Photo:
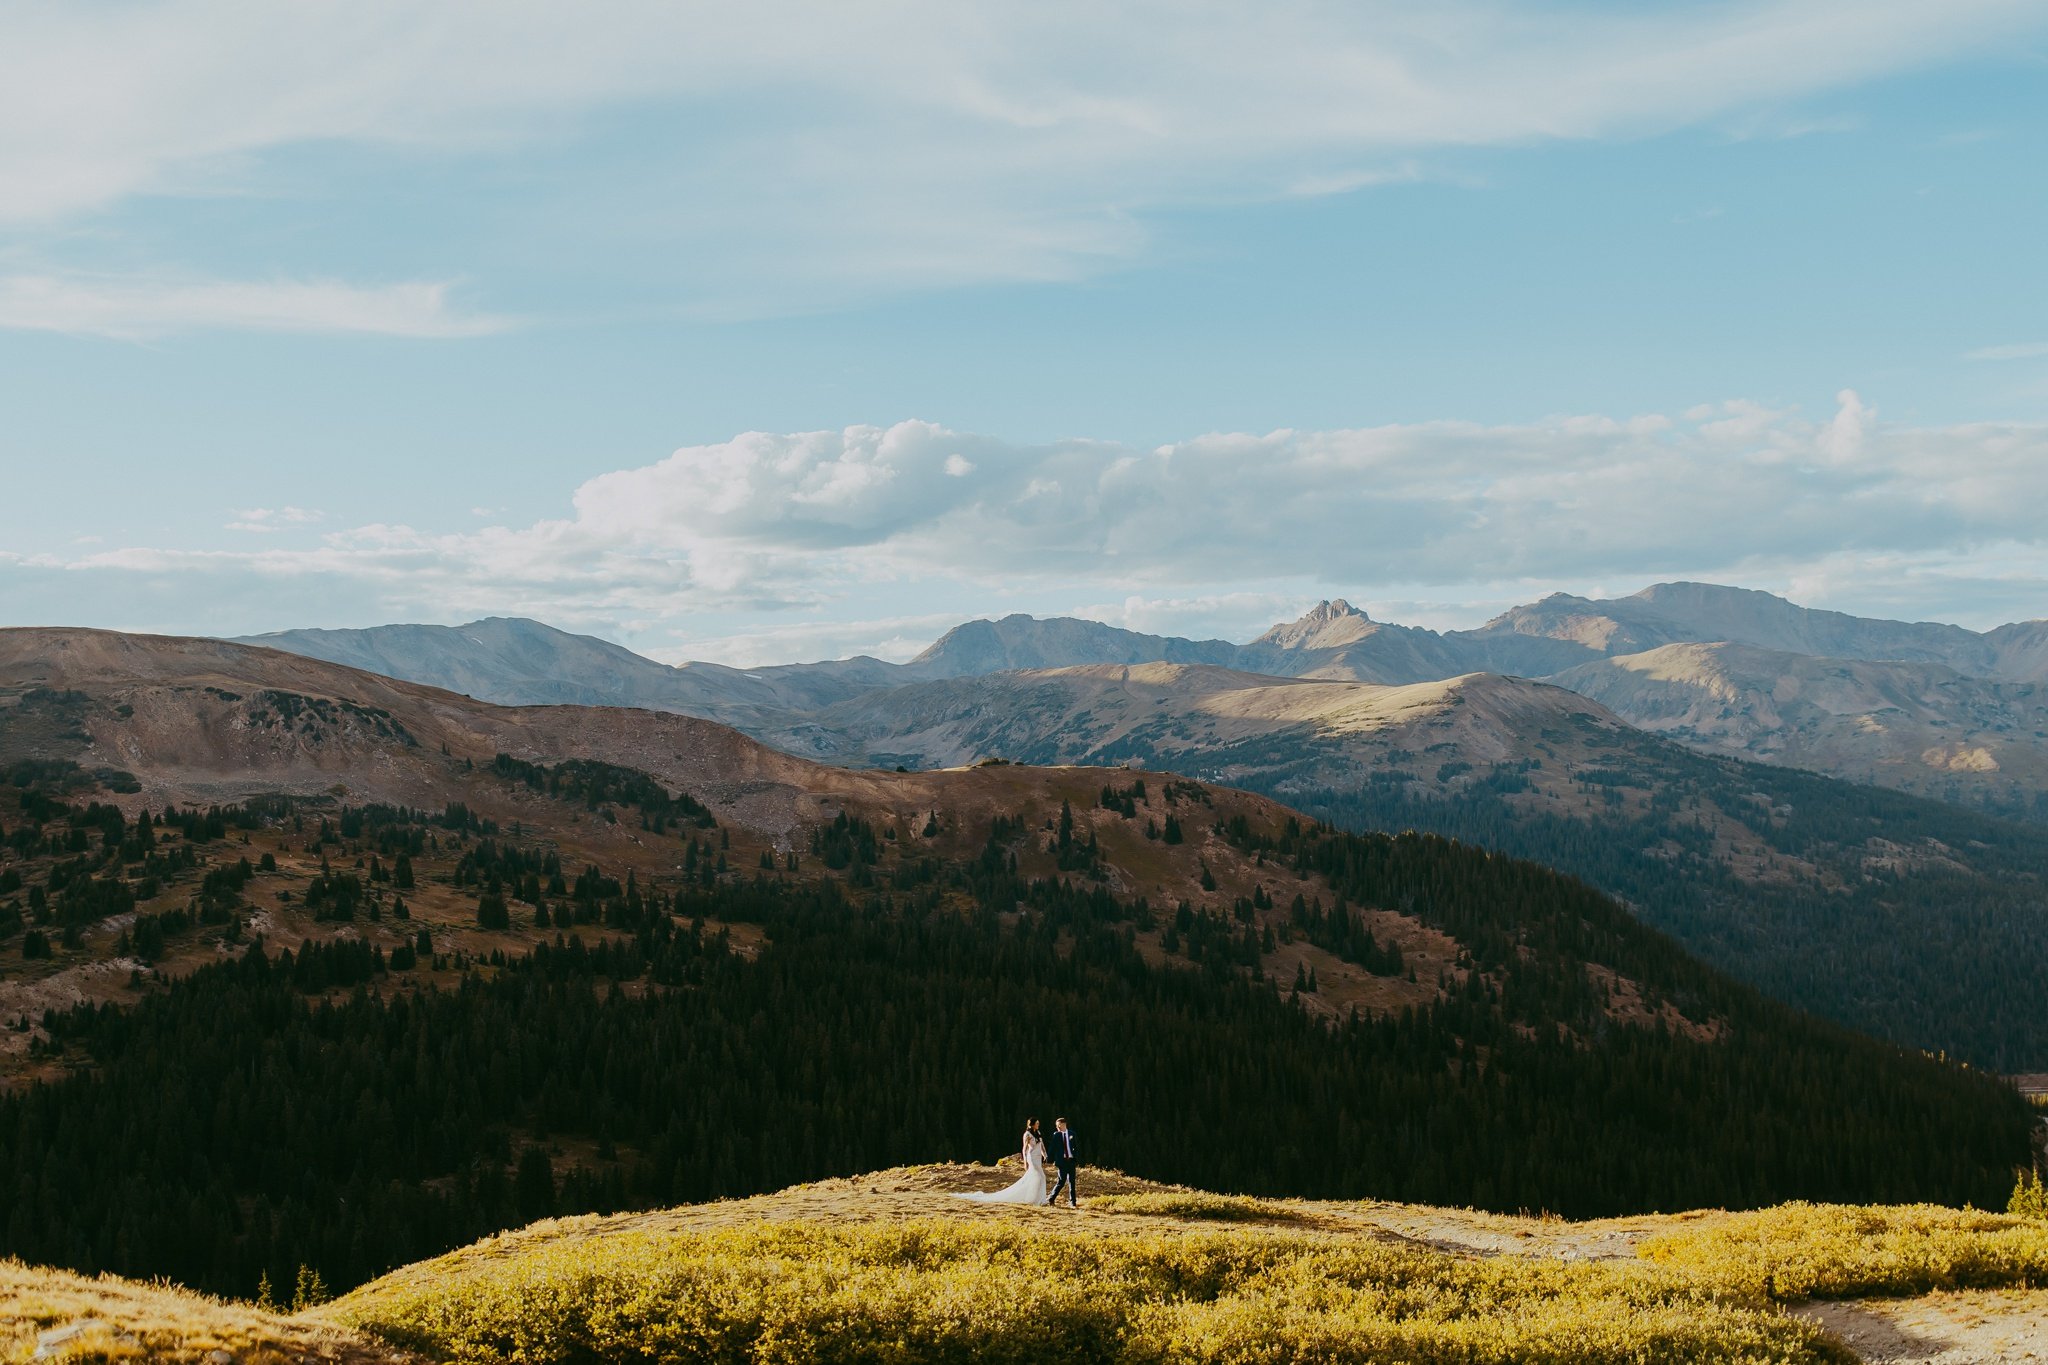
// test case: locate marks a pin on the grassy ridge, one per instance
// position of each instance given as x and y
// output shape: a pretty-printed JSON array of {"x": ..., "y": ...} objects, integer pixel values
[
  {"x": 121, "y": 1320},
  {"x": 930, "y": 1292},
  {"x": 888, "y": 1268}
]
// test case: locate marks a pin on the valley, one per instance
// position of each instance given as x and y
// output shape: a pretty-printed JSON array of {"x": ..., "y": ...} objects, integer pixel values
[{"x": 1829, "y": 875}]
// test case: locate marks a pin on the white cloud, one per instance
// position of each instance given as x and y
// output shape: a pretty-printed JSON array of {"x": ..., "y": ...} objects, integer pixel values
[
  {"x": 1842, "y": 439},
  {"x": 909, "y": 142},
  {"x": 139, "y": 308},
  {"x": 1217, "y": 534}
]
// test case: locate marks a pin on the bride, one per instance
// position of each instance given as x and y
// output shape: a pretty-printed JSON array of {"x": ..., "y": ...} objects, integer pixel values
[{"x": 1030, "y": 1186}]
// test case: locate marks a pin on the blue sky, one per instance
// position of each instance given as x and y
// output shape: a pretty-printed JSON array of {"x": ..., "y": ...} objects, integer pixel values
[{"x": 340, "y": 314}]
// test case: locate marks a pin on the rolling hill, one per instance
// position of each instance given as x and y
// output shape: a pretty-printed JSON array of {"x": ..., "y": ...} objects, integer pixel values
[
  {"x": 1908, "y": 918},
  {"x": 516, "y": 662},
  {"x": 308, "y": 966}
]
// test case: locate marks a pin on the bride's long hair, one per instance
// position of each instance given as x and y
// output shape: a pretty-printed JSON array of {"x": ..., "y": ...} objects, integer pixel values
[{"x": 1031, "y": 1125}]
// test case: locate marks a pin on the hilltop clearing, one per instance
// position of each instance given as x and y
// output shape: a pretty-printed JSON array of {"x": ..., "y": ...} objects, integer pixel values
[{"x": 890, "y": 1262}]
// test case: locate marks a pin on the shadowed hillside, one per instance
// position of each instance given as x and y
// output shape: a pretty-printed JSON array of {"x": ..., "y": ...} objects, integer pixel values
[{"x": 1908, "y": 918}]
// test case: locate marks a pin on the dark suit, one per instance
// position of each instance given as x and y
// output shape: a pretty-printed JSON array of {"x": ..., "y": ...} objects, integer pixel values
[{"x": 1066, "y": 1155}]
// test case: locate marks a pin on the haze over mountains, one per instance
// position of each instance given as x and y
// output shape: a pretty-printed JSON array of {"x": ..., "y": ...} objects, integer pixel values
[{"x": 1923, "y": 707}]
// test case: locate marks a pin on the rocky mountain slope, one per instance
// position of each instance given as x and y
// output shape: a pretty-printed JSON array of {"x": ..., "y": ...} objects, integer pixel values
[
  {"x": 1926, "y": 708},
  {"x": 1920, "y": 727},
  {"x": 1699, "y": 613},
  {"x": 1225, "y": 726}
]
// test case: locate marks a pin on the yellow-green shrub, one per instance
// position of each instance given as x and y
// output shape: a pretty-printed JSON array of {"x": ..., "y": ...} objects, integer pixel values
[
  {"x": 1829, "y": 1251},
  {"x": 933, "y": 1293}
]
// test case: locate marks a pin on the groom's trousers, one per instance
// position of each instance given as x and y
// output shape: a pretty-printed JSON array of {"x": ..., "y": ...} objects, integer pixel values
[{"x": 1069, "y": 1171}]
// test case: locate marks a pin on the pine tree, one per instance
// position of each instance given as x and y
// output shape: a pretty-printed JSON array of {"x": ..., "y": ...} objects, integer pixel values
[{"x": 310, "y": 1291}]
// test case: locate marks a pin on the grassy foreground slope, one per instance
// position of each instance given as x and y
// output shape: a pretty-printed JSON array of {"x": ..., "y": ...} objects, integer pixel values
[{"x": 889, "y": 1266}]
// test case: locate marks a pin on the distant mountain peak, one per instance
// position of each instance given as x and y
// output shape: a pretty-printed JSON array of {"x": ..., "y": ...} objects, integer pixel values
[
  {"x": 1333, "y": 609},
  {"x": 1329, "y": 624},
  {"x": 1018, "y": 641},
  {"x": 1693, "y": 588}
]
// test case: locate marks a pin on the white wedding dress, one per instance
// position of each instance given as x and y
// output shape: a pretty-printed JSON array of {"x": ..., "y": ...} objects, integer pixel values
[{"x": 1030, "y": 1186}]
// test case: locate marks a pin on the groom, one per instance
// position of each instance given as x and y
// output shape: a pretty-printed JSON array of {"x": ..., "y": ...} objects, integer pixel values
[{"x": 1066, "y": 1157}]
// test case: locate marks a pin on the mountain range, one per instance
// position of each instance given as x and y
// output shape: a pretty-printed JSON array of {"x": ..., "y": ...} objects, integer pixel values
[{"x": 1927, "y": 708}]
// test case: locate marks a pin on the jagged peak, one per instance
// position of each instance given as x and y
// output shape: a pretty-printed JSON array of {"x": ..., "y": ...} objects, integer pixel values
[
  {"x": 1330, "y": 623},
  {"x": 1331, "y": 609}
]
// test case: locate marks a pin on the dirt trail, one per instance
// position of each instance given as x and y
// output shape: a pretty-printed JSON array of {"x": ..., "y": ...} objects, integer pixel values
[
  {"x": 1996, "y": 1327},
  {"x": 2002, "y": 1327}
]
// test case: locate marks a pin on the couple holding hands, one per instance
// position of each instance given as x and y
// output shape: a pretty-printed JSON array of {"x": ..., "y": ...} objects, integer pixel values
[{"x": 1030, "y": 1187}]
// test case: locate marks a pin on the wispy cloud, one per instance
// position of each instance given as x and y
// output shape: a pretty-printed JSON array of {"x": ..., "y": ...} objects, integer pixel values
[
  {"x": 139, "y": 308},
  {"x": 2026, "y": 350},
  {"x": 266, "y": 519},
  {"x": 924, "y": 142}
]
